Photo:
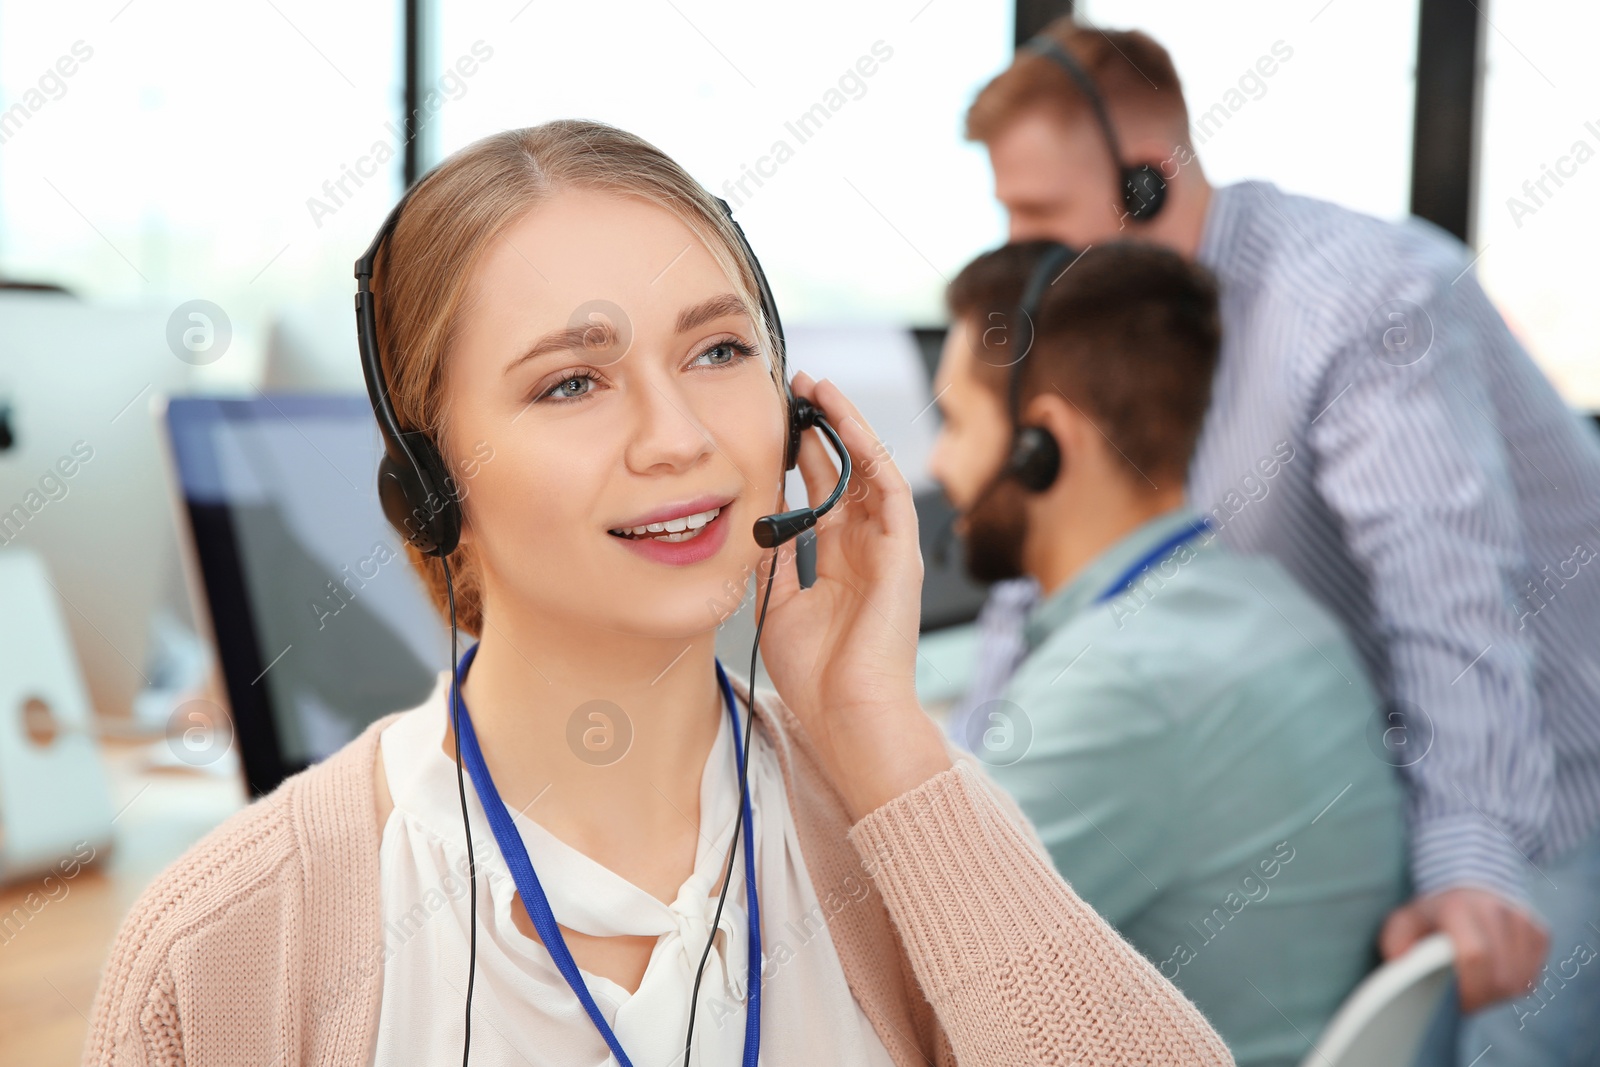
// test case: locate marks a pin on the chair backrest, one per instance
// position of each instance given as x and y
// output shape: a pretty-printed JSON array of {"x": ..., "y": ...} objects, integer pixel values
[{"x": 1383, "y": 1022}]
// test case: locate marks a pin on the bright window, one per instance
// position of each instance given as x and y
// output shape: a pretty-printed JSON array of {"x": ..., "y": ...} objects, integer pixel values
[
  {"x": 1539, "y": 186},
  {"x": 872, "y": 203},
  {"x": 164, "y": 152},
  {"x": 1333, "y": 120}
]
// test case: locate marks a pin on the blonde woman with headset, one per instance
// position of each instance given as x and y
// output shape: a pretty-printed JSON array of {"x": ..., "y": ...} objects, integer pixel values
[{"x": 568, "y": 302}]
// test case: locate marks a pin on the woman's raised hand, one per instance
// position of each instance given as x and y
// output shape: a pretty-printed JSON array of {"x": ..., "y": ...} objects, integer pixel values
[{"x": 842, "y": 653}]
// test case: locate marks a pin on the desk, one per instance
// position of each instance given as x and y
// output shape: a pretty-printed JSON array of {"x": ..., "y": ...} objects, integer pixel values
[{"x": 50, "y": 959}]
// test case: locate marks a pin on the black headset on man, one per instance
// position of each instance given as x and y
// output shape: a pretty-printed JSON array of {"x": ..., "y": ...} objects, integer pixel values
[
  {"x": 1144, "y": 190},
  {"x": 420, "y": 500},
  {"x": 1034, "y": 458}
]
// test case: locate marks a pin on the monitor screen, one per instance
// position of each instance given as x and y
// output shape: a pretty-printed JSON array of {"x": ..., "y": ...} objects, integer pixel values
[{"x": 322, "y": 625}]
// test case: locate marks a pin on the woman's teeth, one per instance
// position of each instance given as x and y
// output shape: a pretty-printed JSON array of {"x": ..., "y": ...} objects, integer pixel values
[{"x": 679, "y": 529}]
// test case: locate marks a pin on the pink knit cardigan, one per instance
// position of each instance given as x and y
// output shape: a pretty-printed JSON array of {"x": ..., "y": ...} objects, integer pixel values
[{"x": 263, "y": 945}]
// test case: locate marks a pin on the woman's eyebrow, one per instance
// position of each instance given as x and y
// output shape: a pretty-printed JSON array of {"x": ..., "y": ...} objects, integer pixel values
[
  {"x": 601, "y": 334},
  {"x": 707, "y": 311}
]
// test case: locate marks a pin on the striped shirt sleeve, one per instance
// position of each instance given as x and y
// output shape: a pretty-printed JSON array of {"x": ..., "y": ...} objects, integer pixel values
[{"x": 1411, "y": 462}]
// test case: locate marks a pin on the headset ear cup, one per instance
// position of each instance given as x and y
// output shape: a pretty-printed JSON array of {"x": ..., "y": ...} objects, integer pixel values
[
  {"x": 791, "y": 444},
  {"x": 1144, "y": 190},
  {"x": 802, "y": 416},
  {"x": 418, "y": 498},
  {"x": 1036, "y": 458},
  {"x": 396, "y": 487},
  {"x": 444, "y": 500}
]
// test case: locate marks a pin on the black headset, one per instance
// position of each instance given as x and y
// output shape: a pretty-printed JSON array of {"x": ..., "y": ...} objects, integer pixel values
[
  {"x": 1035, "y": 457},
  {"x": 1144, "y": 190},
  {"x": 421, "y": 501},
  {"x": 418, "y": 494}
]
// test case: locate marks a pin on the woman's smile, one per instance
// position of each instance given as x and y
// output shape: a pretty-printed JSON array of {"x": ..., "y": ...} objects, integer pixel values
[{"x": 682, "y": 539}]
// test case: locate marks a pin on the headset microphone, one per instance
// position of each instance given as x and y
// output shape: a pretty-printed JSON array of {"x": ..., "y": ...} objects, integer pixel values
[
  {"x": 773, "y": 530},
  {"x": 422, "y": 502}
]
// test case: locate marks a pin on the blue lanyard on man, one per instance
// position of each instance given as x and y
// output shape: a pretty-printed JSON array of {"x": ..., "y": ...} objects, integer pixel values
[
  {"x": 538, "y": 905},
  {"x": 1194, "y": 529}
]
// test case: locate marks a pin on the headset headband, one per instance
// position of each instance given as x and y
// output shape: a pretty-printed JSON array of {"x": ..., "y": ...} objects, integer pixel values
[
  {"x": 367, "y": 326},
  {"x": 769, "y": 306},
  {"x": 1144, "y": 190}
]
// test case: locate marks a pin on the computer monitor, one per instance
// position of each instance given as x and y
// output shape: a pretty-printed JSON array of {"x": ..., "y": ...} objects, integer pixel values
[
  {"x": 81, "y": 478},
  {"x": 320, "y": 622}
]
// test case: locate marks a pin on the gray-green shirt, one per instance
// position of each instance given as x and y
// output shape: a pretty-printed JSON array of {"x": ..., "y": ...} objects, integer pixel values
[{"x": 1203, "y": 757}]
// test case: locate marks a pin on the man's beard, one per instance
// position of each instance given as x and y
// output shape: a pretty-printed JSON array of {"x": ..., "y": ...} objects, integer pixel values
[{"x": 996, "y": 527}]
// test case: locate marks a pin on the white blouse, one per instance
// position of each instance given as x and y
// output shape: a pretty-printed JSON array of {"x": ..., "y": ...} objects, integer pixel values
[{"x": 523, "y": 1011}]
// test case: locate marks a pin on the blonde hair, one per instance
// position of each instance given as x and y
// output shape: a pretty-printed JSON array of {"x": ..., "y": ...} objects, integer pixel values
[{"x": 423, "y": 276}]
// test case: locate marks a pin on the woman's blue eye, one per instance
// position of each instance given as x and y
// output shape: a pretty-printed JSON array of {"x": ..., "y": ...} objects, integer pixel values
[{"x": 736, "y": 352}]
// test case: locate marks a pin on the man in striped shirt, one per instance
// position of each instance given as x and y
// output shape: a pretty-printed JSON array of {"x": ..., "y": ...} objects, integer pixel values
[{"x": 1442, "y": 502}]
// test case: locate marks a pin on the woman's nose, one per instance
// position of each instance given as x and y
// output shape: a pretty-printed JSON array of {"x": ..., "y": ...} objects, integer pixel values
[{"x": 668, "y": 430}]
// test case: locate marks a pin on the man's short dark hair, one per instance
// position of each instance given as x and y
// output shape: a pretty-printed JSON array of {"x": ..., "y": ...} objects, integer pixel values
[{"x": 1128, "y": 334}]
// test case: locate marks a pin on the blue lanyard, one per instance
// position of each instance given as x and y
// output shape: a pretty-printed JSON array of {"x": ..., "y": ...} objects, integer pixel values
[
  {"x": 1194, "y": 529},
  {"x": 538, "y": 906}
]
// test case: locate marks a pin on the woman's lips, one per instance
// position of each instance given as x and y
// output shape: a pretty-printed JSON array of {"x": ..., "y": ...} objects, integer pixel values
[{"x": 703, "y": 545}]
